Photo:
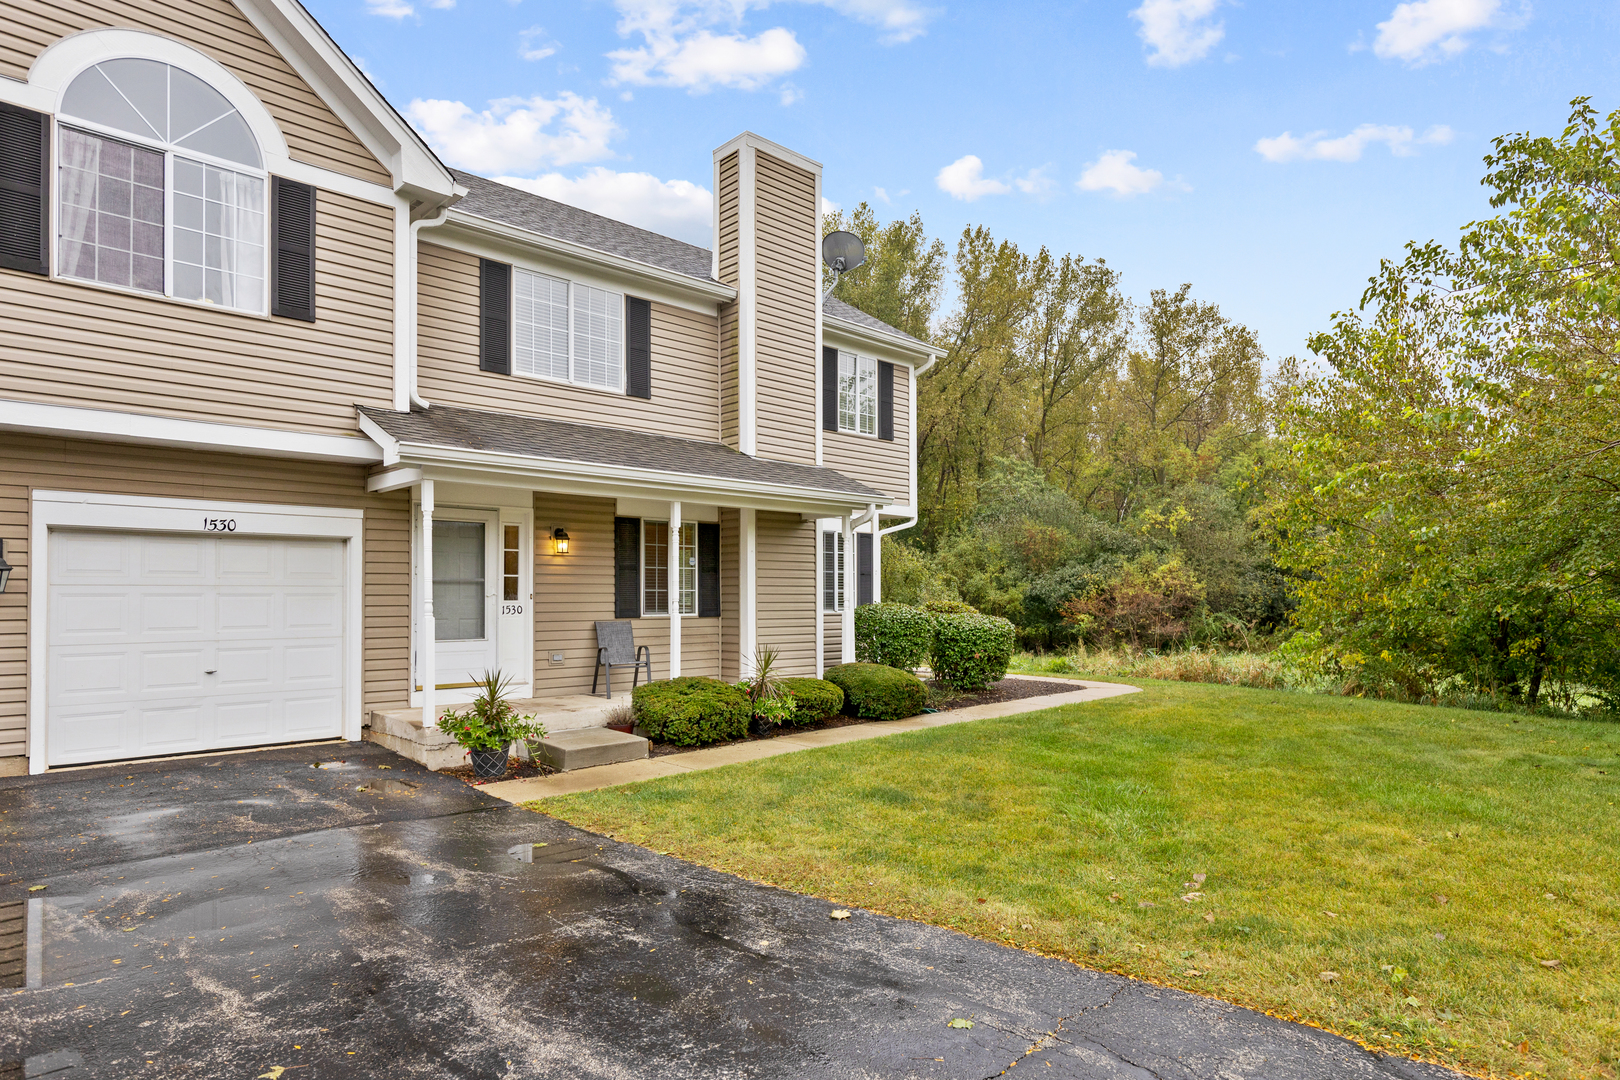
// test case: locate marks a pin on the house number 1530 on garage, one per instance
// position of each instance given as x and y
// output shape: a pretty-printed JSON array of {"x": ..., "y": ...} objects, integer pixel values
[{"x": 219, "y": 524}]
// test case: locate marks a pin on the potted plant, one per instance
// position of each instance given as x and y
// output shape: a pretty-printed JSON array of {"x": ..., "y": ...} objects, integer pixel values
[
  {"x": 488, "y": 726},
  {"x": 770, "y": 705}
]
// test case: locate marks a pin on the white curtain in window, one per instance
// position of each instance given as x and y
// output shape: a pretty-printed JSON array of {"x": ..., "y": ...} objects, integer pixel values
[
  {"x": 110, "y": 221},
  {"x": 598, "y": 345},
  {"x": 218, "y": 236}
]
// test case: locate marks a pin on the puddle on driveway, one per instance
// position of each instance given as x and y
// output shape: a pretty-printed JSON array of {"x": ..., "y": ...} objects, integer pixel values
[{"x": 523, "y": 852}]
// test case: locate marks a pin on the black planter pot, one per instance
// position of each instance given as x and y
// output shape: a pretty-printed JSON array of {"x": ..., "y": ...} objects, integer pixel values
[{"x": 488, "y": 764}]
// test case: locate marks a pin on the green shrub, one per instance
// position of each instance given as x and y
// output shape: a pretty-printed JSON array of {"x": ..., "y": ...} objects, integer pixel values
[
  {"x": 691, "y": 711},
  {"x": 948, "y": 607},
  {"x": 971, "y": 651},
  {"x": 815, "y": 698},
  {"x": 878, "y": 692},
  {"x": 897, "y": 635}
]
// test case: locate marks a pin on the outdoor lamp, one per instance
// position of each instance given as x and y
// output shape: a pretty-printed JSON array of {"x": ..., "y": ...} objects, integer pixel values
[
  {"x": 5, "y": 567},
  {"x": 559, "y": 540}
]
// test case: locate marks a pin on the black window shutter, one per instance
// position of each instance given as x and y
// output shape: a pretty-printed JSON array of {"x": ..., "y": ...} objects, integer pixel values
[
  {"x": 708, "y": 569},
  {"x": 292, "y": 259},
  {"x": 829, "y": 388},
  {"x": 885, "y": 401},
  {"x": 25, "y": 171},
  {"x": 637, "y": 347},
  {"x": 863, "y": 568},
  {"x": 626, "y": 568},
  {"x": 495, "y": 317}
]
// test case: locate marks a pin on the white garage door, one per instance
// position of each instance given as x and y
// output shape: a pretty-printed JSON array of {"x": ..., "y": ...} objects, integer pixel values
[{"x": 169, "y": 644}]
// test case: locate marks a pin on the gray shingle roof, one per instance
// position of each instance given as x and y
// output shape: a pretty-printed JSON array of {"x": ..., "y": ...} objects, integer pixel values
[
  {"x": 556, "y": 440},
  {"x": 487, "y": 199},
  {"x": 850, "y": 313}
]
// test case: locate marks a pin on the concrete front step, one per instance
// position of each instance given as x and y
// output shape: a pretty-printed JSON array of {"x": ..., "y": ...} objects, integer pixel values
[
  {"x": 402, "y": 730},
  {"x": 581, "y": 749}
]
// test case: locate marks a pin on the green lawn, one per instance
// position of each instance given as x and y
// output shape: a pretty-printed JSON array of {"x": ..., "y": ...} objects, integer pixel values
[{"x": 1431, "y": 858}]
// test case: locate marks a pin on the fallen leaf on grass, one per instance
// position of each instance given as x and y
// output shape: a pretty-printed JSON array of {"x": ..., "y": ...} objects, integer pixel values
[
  {"x": 840, "y": 913},
  {"x": 1192, "y": 897},
  {"x": 1331, "y": 914},
  {"x": 1441, "y": 900},
  {"x": 1113, "y": 898},
  {"x": 1524, "y": 1047},
  {"x": 960, "y": 1023},
  {"x": 980, "y": 900},
  {"x": 1550, "y": 964},
  {"x": 1146, "y": 903},
  {"x": 1209, "y": 916},
  {"x": 1328, "y": 976},
  {"x": 1414, "y": 1002},
  {"x": 1025, "y": 926},
  {"x": 1193, "y": 973}
]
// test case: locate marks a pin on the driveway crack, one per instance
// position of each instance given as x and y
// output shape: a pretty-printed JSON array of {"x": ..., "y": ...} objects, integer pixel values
[{"x": 1057, "y": 1036}]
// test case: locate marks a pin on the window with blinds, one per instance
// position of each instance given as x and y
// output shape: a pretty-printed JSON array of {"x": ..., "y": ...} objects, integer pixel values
[{"x": 566, "y": 331}]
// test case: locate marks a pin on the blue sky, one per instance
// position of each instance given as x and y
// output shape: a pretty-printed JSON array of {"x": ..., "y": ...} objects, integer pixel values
[{"x": 1268, "y": 153}]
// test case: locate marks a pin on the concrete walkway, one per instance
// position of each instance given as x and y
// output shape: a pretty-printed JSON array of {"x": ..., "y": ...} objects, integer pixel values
[{"x": 540, "y": 787}]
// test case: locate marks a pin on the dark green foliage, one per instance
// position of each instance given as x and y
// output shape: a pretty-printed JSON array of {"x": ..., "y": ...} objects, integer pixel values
[
  {"x": 692, "y": 711},
  {"x": 815, "y": 698},
  {"x": 949, "y": 607},
  {"x": 971, "y": 651},
  {"x": 878, "y": 692},
  {"x": 897, "y": 635}
]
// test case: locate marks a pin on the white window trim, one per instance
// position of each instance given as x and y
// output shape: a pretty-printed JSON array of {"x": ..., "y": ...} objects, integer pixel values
[
  {"x": 60, "y": 122},
  {"x": 859, "y": 359},
  {"x": 572, "y": 283},
  {"x": 840, "y": 571},
  {"x": 137, "y": 513}
]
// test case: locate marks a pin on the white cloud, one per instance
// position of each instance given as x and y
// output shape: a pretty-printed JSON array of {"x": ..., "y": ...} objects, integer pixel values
[
  {"x": 1114, "y": 172},
  {"x": 1316, "y": 146},
  {"x": 964, "y": 179},
  {"x": 1423, "y": 31},
  {"x": 677, "y": 208},
  {"x": 881, "y": 196},
  {"x": 534, "y": 45},
  {"x": 390, "y": 9},
  {"x": 828, "y": 206},
  {"x": 516, "y": 134},
  {"x": 442, "y": 4},
  {"x": 1178, "y": 31},
  {"x": 899, "y": 20},
  {"x": 791, "y": 94},
  {"x": 703, "y": 60},
  {"x": 1036, "y": 181}
]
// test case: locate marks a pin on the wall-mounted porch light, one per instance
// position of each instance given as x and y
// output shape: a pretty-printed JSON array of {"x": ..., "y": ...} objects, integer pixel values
[
  {"x": 5, "y": 568},
  {"x": 559, "y": 540}
]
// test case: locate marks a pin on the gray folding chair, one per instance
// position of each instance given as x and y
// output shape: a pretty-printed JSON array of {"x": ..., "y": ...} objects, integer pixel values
[{"x": 616, "y": 647}]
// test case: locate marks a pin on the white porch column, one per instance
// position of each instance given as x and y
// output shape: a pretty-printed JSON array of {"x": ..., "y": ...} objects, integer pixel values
[
  {"x": 850, "y": 582},
  {"x": 748, "y": 590},
  {"x": 427, "y": 649},
  {"x": 821, "y": 618},
  {"x": 877, "y": 559},
  {"x": 675, "y": 590}
]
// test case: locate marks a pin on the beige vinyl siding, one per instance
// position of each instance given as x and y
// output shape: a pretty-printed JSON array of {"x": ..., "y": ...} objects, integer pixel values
[
  {"x": 313, "y": 131},
  {"x": 785, "y": 342},
  {"x": 685, "y": 375},
  {"x": 72, "y": 344},
  {"x": 728, "y": 376},
  {"x": 786, "y": 566},
  {"x": 573, "y": 591},
  {"x": 729, "y": 225},
  {"x": 28, "y": 462},
  {"x": 877, "y": 462},
  {"x": 730, "y": 592},
  {"x": 832, "y": 644}
]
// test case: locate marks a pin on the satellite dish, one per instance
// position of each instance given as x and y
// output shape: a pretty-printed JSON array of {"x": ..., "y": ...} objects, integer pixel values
[{"x": 842, "y": 251}]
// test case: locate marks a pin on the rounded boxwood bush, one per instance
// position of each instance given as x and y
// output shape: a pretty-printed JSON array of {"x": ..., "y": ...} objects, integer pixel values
[
  {"x": 691, "y": 711},
  {"x": 815, "y": 698},
  {"x": 894, "y": 634},
  {"x": 971, "y": 651},
  {"x": 948, "y": 607},
  {"x": 878, "y": 692}
]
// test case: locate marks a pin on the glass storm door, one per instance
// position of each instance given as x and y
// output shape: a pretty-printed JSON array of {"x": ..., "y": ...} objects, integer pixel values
[{"x": 465, "y": 596}]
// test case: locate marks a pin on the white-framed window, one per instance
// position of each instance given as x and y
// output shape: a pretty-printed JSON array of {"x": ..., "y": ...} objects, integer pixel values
[
  {"x": 857, "y": 393},
  {"x": 832, "y": 570},
  {"x": 567, "y": 331},
  {"x": 686, "y": 566},
  {"x": 654, "y": 567},
  {"x": 160, "y": 187}
]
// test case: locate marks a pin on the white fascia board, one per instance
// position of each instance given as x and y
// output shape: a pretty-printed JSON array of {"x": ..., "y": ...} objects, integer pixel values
[
  {"x": 515, "y": 237},
  {"x": 72, "y": 422},
  {"x": 400, "y": 476},
  {"x": 776, "y": 150},
  {"x": 858, "y": 337},
  {"x": 318, "y": 60},
  {"x": 578, "y": 477}
]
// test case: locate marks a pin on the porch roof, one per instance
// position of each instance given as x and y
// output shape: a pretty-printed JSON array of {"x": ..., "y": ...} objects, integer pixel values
[{"x": 638, "y": 455}]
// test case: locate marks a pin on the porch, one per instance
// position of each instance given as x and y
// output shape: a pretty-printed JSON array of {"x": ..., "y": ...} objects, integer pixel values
[{"x": 403, "y": 732}]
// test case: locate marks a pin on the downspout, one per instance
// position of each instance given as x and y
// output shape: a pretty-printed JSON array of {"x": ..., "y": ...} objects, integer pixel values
[
  {"x": 912, "y": 404},
  {"x": 438, "y": 217}
]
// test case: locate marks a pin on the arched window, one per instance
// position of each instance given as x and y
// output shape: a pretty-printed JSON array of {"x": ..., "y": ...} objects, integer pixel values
[{"x": 160, "y": 186}]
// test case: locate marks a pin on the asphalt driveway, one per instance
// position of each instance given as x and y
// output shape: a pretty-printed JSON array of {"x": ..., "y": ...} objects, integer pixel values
[{"x": 232, "y": 916}]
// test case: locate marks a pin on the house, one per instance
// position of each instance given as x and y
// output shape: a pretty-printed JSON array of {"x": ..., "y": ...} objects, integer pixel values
[{"x": 298, "y": 426}]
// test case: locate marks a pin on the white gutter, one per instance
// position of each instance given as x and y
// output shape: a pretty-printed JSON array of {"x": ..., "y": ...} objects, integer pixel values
[
  {"x": 877, "y": 339},
  {"x": 709, "y": 290}
]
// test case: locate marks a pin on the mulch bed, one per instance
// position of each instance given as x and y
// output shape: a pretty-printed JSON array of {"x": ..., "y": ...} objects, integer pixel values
[{"x": 940, "y": 699}]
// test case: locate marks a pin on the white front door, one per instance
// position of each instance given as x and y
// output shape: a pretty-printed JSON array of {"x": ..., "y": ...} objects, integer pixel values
[
  {"x": 170, "y": 644},
  {"x": 466, "y": 595}
]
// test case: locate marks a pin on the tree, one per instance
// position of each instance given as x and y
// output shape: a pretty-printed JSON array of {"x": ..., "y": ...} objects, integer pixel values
[{"x": 901, "y": 278}]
